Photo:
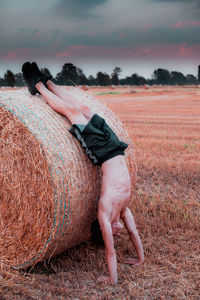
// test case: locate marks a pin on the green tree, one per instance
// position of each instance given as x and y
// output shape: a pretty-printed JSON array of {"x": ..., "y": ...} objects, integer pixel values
[
  {"x": 91, "y": 80},
  {"x": 59, "y": 79},
  {"x": 103, "y": 79},
  {"x": 2, "y": 81},
  {"x": 82, "y": 79},
  {"x": 115, "y": 75},
  {"x": 19, "y": 81},
  {"x": 191, "y": 79},
  {"x": 137, "y": 80},
  {"x": 161, "y": 76},
  {"x": 177, "y": 78},
  {"x": 46, "y": 72},
  {"x": 71, "y": 74},
  {"x": 9, "y": 78},
  {"x": 199, "y": 73}
]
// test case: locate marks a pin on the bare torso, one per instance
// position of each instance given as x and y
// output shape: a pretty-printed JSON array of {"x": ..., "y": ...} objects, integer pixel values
[{"x": 115, "y": 188}]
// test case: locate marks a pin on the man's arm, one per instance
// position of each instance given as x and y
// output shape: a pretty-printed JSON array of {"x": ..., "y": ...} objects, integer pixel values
[
  {"x": 109, "y": 245},
  {"x": 129, "y": 223}
]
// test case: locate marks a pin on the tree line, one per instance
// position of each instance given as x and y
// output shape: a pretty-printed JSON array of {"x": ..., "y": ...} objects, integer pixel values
[{"x": 72, "y": 75}]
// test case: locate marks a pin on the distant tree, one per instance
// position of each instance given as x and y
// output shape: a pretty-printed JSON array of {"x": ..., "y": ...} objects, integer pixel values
[
  {"x": 134, "y": 79},
  {"x": 137, "y": 80},
  {"x": 161, "y": 76},
  {"x": 115, "y": 75},
  {"x": 70, "y": 74},
  {"x": 141, "y": 80},
  {"x": 19, "y": 81},
  {"x": 9, "y": 78},
  {"x": 46, "y": 72},
  {"x": 149, "y": 81},
  {"x": 59, "y": 79},
  {"x": 199, "y": 73},
  {"x": 91, "y": 80},
  {"x": 177, "y": 78},
  {"x": 191, "y": 79},
  {"x": 126, "y": 80},
  {"x": 103, "y": 79},
  {"x": 2, "y": 81},
  {"x": 82, "y": 79}
]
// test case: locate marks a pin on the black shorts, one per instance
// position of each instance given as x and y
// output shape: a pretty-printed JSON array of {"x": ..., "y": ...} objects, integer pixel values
[{"x": 98, "y": 140}]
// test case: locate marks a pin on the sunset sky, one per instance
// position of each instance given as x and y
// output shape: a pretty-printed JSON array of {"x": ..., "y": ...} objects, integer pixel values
[{"x": 98, "y": 35}]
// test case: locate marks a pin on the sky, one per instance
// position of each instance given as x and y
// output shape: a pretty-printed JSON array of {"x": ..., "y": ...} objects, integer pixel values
[{"x": 97, "y": 35}]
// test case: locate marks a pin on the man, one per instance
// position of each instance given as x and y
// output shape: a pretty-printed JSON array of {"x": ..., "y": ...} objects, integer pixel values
[{"x": 104, "y": 149}]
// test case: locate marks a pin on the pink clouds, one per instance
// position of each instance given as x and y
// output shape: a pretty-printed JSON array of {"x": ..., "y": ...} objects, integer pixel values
[
  {"x": 62, "y": 54},
  {"x": 39, "y": 33},
  {"x": 153, "y": 51},
  {"x": 147, "y": 51},
  {"x": 93, "y": 33},
  {"x": 166, "y": 51},
  {"x": 173, "y": 51},
  {"x": 10, "y": 55},
  {"x": 146, "y": 28},
  {"x": 76, "y": 47},
  {"x": 138, "y": 52},
  {"x": 187, "y": 51},
  {"x": 18, "y": 53},
  {"x": 185, "y": 24},
  {"x": 122, "y": 35},
  {"x": 70, "y": 51}
]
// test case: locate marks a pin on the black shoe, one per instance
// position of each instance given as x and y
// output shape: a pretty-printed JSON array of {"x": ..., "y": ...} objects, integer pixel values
[
  {"x": 30, "y": 77},
  {"x": 37, "y": 71}
]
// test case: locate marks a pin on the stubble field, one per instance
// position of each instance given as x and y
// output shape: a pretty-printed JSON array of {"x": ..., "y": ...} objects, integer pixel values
[{"x": 164, "y": 124}]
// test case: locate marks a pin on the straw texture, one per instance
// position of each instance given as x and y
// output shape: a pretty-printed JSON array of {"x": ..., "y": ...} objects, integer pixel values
[{"x": 49, "y": 189}]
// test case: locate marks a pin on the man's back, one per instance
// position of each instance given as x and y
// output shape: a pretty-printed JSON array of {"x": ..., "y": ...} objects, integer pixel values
[{"x": 115, "y": 187}]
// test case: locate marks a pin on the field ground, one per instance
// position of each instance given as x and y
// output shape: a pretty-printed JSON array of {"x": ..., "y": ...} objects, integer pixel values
[{"x": 164, "y": 124}]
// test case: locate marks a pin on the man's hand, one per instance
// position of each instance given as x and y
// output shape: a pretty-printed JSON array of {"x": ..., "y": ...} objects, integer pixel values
[
  {"x": 105, "y": 279},
  {"x": 109, "y": 244},
  {"x": 132, "y": 261}
]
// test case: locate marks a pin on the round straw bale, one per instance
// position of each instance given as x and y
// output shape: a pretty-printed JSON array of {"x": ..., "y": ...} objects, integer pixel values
[
  {"x": 85, "y": 87},
  {"x": 49, "y": 187}
]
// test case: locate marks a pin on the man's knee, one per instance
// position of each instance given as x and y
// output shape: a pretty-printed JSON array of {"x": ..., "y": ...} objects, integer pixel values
[
  {"x": 87, "y": 112},
  {"x": 75, "y": 116}
]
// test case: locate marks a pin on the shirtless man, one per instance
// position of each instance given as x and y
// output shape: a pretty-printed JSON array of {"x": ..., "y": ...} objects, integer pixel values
[{"x": 116, "y": 186}]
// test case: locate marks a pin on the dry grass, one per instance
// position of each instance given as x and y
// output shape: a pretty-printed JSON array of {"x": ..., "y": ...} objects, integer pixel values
[{"x": 164, "y": 125}]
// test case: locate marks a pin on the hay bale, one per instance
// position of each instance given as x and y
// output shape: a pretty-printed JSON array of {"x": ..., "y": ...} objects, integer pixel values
[
  {"x": 85, "y": 87},
  {"x": 49, "y": 187}
]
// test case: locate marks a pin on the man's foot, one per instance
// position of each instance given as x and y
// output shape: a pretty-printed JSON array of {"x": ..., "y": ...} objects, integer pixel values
[
  {"x": 30, "y": 77},
  {"x": 36, "y": 71}
]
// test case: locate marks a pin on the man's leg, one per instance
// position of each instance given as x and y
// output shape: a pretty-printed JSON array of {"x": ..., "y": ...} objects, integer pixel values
[
  {"x": 60, "y": 106},
  {"x": 71, "y": 100}
]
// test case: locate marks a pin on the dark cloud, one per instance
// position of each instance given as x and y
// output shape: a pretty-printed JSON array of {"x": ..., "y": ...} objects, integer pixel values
[
  {"x": 134, "y": 38},
  {"x": 186, "y": 1},
  {"x": 76, "y": 8},
  {"x": 194, "y": 3}
]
